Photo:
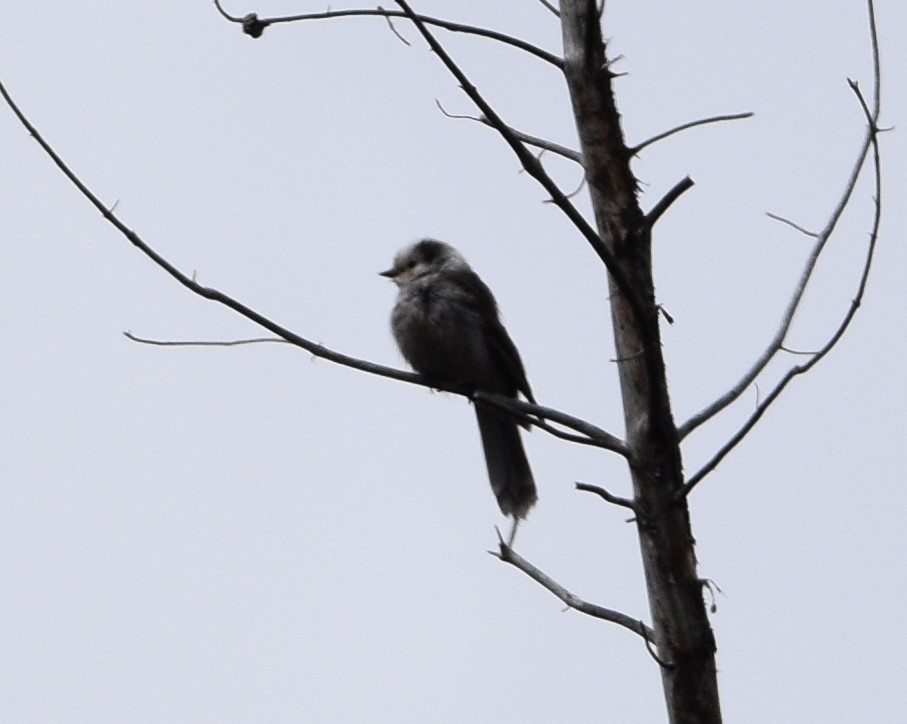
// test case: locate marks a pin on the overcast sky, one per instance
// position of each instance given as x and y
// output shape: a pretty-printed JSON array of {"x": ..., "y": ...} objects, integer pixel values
[{"x": 248, "y": 534}]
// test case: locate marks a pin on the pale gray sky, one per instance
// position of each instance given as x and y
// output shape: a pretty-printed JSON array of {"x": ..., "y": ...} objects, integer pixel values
[{"x": 251, "y": 535}]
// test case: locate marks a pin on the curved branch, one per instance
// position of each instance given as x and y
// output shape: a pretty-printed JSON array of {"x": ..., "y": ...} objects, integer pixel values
[
  {"x": 382, "y": 13},
  {"x": 685, "y": 184},
  {"x": 606, "y": 496},
  {"x": 777, "y": 342},
  {"x": 594, "y": 436},
  {"x": 635, "y": 150},
  {"x": 508, "y": 555},
  {"x": 872, "y": 118}
]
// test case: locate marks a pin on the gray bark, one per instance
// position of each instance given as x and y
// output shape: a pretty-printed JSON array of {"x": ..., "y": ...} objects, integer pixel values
[{"x": 683, "y": 635}]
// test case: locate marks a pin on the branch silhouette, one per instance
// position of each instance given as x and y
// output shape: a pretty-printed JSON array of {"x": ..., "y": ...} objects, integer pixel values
[
  {"x": 508, "y": 555},
  {"x": 868, "y": 149},
  {"x": 589, "y": 433},
  {"x": 254, "y": 26},
  {"x": 542, "y": 143},
  {"x": 635, "y": 150},
  {"x": 531, "y": 164}
]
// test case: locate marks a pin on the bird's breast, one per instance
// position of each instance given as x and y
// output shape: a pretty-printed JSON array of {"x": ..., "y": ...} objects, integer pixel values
[{"x": 440, "y": 337}]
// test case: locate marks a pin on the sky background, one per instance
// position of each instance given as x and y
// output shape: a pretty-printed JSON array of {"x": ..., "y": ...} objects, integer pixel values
[{"x": 249, "y": 534}]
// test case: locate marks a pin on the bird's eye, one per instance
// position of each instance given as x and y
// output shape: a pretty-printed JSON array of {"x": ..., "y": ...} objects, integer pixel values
[{"x": 411, "y": 264}]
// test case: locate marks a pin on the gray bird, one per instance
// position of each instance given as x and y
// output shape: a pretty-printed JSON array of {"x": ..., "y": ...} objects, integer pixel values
[{"x": 447, "y": 326}]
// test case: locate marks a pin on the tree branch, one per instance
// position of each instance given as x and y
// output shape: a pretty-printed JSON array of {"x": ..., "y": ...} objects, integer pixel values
[
  {"x": 635, "y": 150},
  {"x": 550, "y": 146},
  {"x": 551, "y": 7},
  {"x": 532, "y": 166},
  {"x": 508, "y": 555},
  {"x": 260, "y": 24},
  {"x": 528, "y": 411},
  {"x": 597, "y": 437},
  {"x": 872, "y": 118},
  {"x": 669, "y": 198},
  {"x": 606, "y": 496},
  {"x": 200, "y": 342},
  {"x": 776, "y": 344},
  {"x": 791, "y": 224}
]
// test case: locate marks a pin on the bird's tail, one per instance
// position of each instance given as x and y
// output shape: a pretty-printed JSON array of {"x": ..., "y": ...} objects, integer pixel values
[{"x": 508, "y": 469}]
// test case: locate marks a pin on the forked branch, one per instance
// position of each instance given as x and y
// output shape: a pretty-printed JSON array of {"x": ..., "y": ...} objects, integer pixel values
[
  {"x": 776, "y": 344},
  {"x": 870, "y": 148},
  {"x": 532, "y": 165}
]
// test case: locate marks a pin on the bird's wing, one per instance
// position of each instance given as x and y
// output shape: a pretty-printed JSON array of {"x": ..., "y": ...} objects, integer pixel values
[{"x": 479, "y": 298}]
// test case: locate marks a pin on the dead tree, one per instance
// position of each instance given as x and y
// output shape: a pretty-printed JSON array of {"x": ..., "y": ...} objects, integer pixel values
[{"x": 679, "y": 637}]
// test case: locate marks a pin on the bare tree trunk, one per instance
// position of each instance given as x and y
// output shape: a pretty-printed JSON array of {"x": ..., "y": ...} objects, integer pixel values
[{"x": 683, "y": 635}]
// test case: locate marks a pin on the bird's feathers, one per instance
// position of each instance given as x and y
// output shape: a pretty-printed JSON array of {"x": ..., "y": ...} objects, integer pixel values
[{"x": 447, "y": 326}]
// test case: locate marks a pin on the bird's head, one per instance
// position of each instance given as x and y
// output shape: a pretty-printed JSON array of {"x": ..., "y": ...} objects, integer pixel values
[{"x": 428, "y": 256}]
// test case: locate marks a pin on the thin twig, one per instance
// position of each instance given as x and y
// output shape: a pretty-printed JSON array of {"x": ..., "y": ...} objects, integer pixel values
[
  {"x": 804, "y": 352},
  {"x": 650, "y": 647},
  {"x": 628, "y": 358},
  {"x": 201, "y": 343},
  {"x": 775, "y": 345},
  {"x": 605, "y": 441},
  {"x": 568, "y": 153},
  {"x": 508, "y": 555},
  {"x": 382, "y": 13},
  {"x": 791, "y": 224},
  {"x": 573, "y": 194},
  {"x": 872, "y": 118},
  {"x": 550, "y": 146},
  {"x": 712, "y": 588},
  {"x": 635, "y": 150},
  {"x": 390, "y": 24},
  {"x": 669, "y": 198},
  {"x": 459, "y": 116},
  {"x": 554, "y": 10},
  {"x": 606, "y": 496}
]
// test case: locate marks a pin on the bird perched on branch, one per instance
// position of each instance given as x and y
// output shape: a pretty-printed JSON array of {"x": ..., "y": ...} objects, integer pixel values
[{"x": 447, "y": 326}]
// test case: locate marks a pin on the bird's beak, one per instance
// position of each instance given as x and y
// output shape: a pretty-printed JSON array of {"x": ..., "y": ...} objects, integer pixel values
[{"x": 390, "y": 273}]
